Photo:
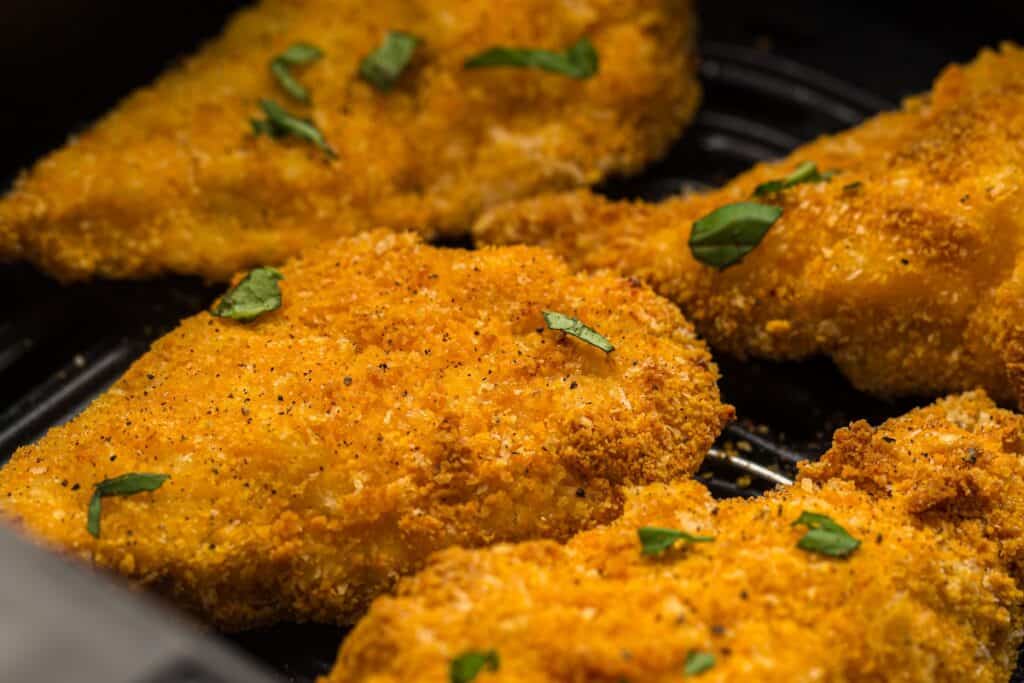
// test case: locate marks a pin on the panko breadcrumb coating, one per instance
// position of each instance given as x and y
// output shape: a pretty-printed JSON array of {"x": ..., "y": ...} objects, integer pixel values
[
  {"x": 404, "y": 398},
  {"x": 173, "y": 180},
  {"x": 931, "y": 595},
  {"x": 906, "y": 268}
]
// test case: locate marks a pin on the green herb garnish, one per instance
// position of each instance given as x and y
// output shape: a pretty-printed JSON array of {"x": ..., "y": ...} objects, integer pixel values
[
  {"x": 466, "y": 666},
  {"x": 698, "y": 662},
  {"x": 579, "y": 61},
  {"x": 729, "y": 233},
  {"x": 807, "y": 172},
  {"x": 298, "y": 54},
  {"x": 563, "y": 323},
  {"x": 656, "y": 540},
  {"x": 382, "y": 67},
  {"x": 256, "y": 294},
  {"x": 280, "y": 123},
  {"x": 125, "y": 485},
  {"x": 825, "y": 536}
]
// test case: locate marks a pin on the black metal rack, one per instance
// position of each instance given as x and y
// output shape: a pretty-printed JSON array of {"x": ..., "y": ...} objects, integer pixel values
[{"x": 61, "y": 346}]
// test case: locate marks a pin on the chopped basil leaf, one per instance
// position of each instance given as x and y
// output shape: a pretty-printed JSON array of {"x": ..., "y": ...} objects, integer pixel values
[
  {"x": 280, "y": 123},
  {"x": 807, "y": 172},
  {"x": 261, "y": 127},
  {"x": 92, "y": 523},
  {"x": 298, "y": 54},
  {"x": 656, "y": 540},
  {"x": 579, "y": 61},
  {"x": 698, "y": 662},
  {"x": 466, "y": 666},
  {"x": 729, "y": 233},
  {"x": 382, "y": 67},
  {"x": 853, "y": 187},
  {"x": 824, "y": 536},
  {"x": 125, "y": 485},
  {"x": 256, "y": 294},
  {"x": 563, "y": 323}
]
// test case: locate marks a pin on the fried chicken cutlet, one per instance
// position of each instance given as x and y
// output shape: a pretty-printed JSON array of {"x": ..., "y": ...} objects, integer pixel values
[
  {"x": 905, "y": 267},
  {"x": 402, "y": 399},
  {"x": 931, "y": 594},
  {"x": 174, "y": 180}
]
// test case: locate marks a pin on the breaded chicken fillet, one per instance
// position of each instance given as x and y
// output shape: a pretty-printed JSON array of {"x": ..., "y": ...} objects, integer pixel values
[
  {"x": 931, "y": 595},
  {"x": 175, "y": 180},
  {"x": 402, "y": 399},
  {"x": 907, "y": 267}
]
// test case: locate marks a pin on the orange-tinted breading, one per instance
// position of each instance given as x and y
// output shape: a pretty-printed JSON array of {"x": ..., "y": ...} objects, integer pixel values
[
  {"x": 931, "y": 595},
  {"x": 906, "y": 268},
  {"x": 173, "y": 180},
  {"x": 404, "y": 398}
]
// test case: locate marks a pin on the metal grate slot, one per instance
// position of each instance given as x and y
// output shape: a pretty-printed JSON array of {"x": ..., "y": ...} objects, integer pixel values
[
  {"x": 66, "y": 393},
  {"x": 772, "y": 77}
]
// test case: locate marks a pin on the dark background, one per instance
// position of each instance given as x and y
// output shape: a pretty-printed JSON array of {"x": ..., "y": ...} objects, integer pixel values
[{"x": 66, "y": 61}]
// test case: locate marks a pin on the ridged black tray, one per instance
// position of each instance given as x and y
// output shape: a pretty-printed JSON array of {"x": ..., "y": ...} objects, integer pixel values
[{"x": 61, "y": 346}]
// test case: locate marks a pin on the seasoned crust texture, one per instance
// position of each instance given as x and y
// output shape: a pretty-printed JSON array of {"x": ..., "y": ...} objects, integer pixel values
[
  {"x": 931, "y": 596},
  {"x": 173, "y": 180},
  {"x": 404, "y": 398},
  {"x": 906, "y": 268}
]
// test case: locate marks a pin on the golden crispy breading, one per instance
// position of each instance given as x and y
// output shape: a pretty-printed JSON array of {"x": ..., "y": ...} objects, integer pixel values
[
  {"x": 906, "y": 268},
  {"x": 173, "y": 180},
  {"x": 930, "y": 596},
  {"x": 403, "y": 399}
]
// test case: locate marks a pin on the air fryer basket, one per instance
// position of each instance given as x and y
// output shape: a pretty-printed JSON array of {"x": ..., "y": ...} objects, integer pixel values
[{"x": 60, "y": 346}]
